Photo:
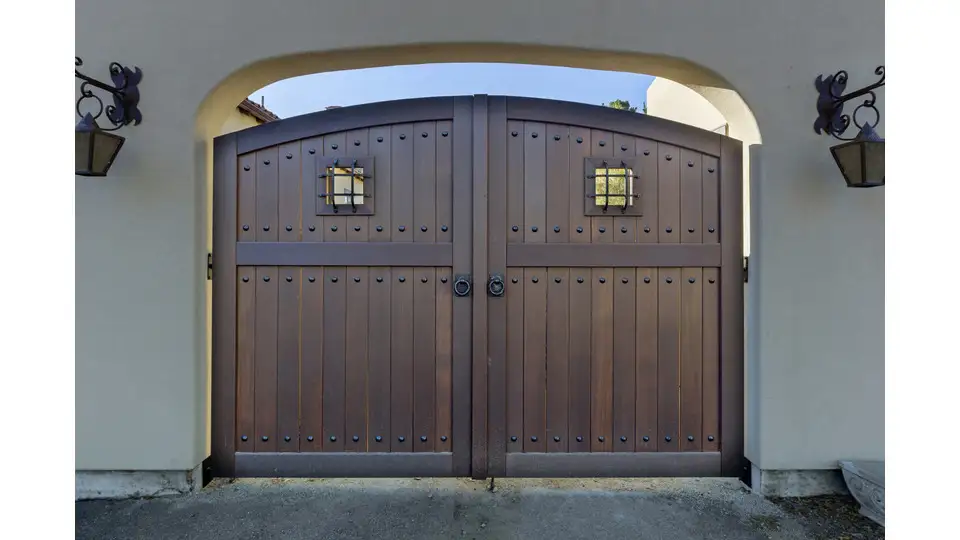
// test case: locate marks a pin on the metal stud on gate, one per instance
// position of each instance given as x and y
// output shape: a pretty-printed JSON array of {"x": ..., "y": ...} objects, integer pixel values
[
  {"x": 513, "y": 438},
  {"x": 333, "y": 438},
  {"x": 401, "y": 438},
  {"x": 310, "y": 438},
  {"x": 444, "y": 437},
  {"x": 579, "y": 438},
  {"x": 378, "y": 438},
  {"x": 356, "y": 438}
]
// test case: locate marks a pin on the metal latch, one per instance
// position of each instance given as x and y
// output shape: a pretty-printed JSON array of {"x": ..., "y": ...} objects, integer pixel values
[
  {"x": 746, "y": 269},
  {"x": 209, "y": 265},
  {"x": 462, "y": 285}
]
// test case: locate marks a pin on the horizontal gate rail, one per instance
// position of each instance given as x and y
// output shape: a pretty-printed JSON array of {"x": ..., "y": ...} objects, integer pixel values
[
  {"x": 585, "y": 465},
  {"x": 343, "y": 254},
  {"x": 614, "y": 255},
  {"x": 343, "y": 464}
]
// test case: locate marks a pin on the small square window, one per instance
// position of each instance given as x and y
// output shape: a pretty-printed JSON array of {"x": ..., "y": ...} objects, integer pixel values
[
  {"x": 344, "y": 186},
  {"x": 612, "y": 186}
]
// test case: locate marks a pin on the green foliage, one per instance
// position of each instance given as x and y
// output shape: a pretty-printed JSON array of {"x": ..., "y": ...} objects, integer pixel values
[{"x": 624, "y": 105}]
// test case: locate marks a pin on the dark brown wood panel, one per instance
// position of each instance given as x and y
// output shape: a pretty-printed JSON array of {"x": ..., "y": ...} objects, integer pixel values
[
  {"x": 344, "y": 253},
  {"x": 612, "y": 255},
  {"x": 691, "y": 197},
  {"x": 515, "y": 185},
  {"x": 334, "y": 350},
  {"x": 247, "y": 199},
  {"x": 668, "y": 360},
  {"x": 358, "y": 227},
  {"x": 624, "y": 359},
  {"x": 444, "y": 355},
  {"x": 580, "y": 149},
  {"x": 581, "y": 306},
  {"x": 710, "y": 438},
  {"x": 648, "y": 224},
  {"x": 534, "y": 182},
  {"x": 345, "y": 464},
  {"x": 355, "y": 346},
  {"x": 425, "y": 182},
  {"x": 265, "y": 362},
  {"x": 288, "y": 360},
  {"x": 711, "y": 201},
  {"x": 312, "y": 224},
  {"x": 246, "y": 358},
  {"x": 311, "y": 362},
  {"x": 601, "y": 228},
  {"x": 691, "y": 359},
  {"x": 289, "y": 191},
  {"x": 558, "y": 330},
  {"x": 335, "y": 227},
  {"x": 479, "y": 360},
  {"x": 379, "y": 353},
  {"x": 601, "y": 362},
  {"x": 402, "y": 185},
  {"x": 380, "y": 143},
  {"x": 401, "y": 359},
  {"x": 267, "y": 195},
  {"x": 601, "y": 465},
  {"x": 497, "y": 306},
  {"x": 558, "y": 186},
  {"x": 668, "y": 194},
  {"x": 424, "y": 360},
  {"x": 515, "y": 343},
  {"x": 647, "y": 358},
  {"x": 444, "y": 182},
  {"x": 534, "y": 359},
  {"x": 625, "y": 227}
]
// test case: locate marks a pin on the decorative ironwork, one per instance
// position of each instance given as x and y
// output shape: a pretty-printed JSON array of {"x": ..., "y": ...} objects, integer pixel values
[
  {"x": 352, "y": 174},
  {"x": 831, "y": 120},
  {"x": 126, "y": 95},
  {"x": 628, "y": 183}
]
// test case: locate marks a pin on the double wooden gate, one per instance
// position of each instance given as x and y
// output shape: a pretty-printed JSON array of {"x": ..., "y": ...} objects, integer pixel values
[{"x": 477, "y": 286}]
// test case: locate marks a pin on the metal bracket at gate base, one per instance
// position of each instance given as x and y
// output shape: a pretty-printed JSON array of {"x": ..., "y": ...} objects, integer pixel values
[
  {"x": 495, "y": 286},
  {"x": 461, "y": 285},
  {"x": 209, "y": 265}
]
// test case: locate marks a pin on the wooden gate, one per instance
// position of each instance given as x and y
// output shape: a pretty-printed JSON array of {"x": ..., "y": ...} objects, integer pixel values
[{"x": 483, "y": 286}]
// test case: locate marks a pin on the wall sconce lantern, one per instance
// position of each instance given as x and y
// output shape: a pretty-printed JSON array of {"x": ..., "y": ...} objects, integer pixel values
[
  {"x": 861, "y": 160},
  {"x": 95, "y": 147}
]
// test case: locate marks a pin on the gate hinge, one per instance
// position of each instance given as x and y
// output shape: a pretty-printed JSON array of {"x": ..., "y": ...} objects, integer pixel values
[
  {"x": 746, "y": 269},
  {"x": 209, "y": 265}
]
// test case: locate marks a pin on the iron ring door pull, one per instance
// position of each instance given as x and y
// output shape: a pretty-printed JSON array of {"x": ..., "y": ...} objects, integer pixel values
[
  {"x": 461, "y": 286},
  {"x": 495, "y": 286}
]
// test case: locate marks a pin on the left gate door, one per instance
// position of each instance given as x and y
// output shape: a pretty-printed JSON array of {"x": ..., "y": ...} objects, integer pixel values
[{"x": 341, "y": 246}]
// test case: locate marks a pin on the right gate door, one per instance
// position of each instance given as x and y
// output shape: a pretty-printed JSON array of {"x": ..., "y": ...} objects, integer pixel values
[{"x": 614, "y": 301}]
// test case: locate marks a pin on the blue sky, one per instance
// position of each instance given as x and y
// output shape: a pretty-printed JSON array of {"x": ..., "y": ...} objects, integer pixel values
[{"x": 302, "y": 95}]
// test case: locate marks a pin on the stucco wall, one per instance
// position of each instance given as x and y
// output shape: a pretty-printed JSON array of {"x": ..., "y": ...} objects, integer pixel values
[
  {"x": 674, "y": 101},
  {"x": 237, "y": 121},
  {"x": 816, "y": 393}
]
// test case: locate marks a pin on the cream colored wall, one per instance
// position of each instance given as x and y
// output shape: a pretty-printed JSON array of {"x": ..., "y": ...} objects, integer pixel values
[
  {"x": 816, "y": 289},
  {"x": 674, "y": 101},
  {"x": 237, "y": 121}
]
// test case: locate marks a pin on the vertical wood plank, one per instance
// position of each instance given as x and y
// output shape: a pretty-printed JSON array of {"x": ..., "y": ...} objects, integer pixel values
[
  {"x": 668, "y": 371},
  {"x": 691, "y": 359},
  {"x": 425, "y": 182},
  {"x": 710, "y": 438},
  {"x": 401, "y": 179},
  {"x": 558, "y": 185},
  {"x": 267, "y": 193},
  {"x": 265, "y": 362},
  {"x": 711, "y": 201},
  {"x": 444, "y": 182},
  {"x": 290, "y": 186},
  {"x": 515, "y": 183},
  {"x": 731, "y": 306},
  {"x": 581, "y": 307},
  {"x": 358, "y": 227},
  {"x": 335, "y": 227},
  {"x": 288, "y": 359},
  {"x": 311, "y": 150},
  {"x": 424, "y": 360},
  {"x": 580, "y": 225},
  {"x": 462, "y": 264},
  {"x": 601, "y": 227},
  {"x": 624, "y": 359},
  {"x": 691, "y": 197},
  {"x": 668, "y": 172},
  {"x": 601, "y": 364},
  {"x": 515, "y": 339},
  {"x": 478, "y": 451},
  {"x": 379, "y": 334},
  {"x": 355, "y": 348},
  {"x": 401, "y": 358},
  {"x": 625, "y": 227},
  {"x": 246, "y": 357},
  {"x": 534, "y": 358},
  {"x": 497, "y": 306},
  {"x": 444, "y": 355},
  {"x": 379, "y": 143},
  {"x": 647, "y": 355},
  {"x": 247, "y": 198},
  {"x": 534, "y": 182},
  {"x": 311, "y": 363},
  {"x": 334, "y": 350},
  {"x": 558, "y": 329},
  {"x": 648, "y": 225}
]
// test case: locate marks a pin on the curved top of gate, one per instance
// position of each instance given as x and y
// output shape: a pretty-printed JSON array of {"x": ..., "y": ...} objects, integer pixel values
[{"x": 442, "y": 108}]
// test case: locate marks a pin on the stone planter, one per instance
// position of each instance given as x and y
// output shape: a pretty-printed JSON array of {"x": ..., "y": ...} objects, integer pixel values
[{"x": 865, "y": 480}]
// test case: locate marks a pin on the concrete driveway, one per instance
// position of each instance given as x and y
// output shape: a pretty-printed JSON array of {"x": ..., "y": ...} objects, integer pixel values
[{"x": 453, "y": 508}]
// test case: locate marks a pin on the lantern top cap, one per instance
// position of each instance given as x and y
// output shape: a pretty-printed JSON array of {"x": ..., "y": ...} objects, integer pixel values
[
  {"x": 867, "y": 133},
  {"x": 87, "y": 123}
]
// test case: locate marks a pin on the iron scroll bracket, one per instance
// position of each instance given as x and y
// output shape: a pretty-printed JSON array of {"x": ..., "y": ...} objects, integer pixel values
[
  {"x": 628, "y": 178},
  {"x": 831, "y": 119}
]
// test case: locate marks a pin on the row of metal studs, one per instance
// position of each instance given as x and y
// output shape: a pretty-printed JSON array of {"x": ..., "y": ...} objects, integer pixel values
[
  {"x": 601, "y": 438},
  {"x": 333, "y": 438}
]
